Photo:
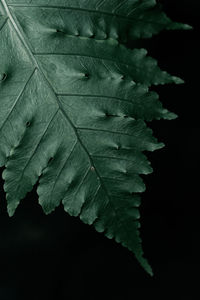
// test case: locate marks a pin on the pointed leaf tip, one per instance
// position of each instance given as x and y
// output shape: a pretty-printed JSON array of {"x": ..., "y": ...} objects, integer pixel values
[
  {"x": 187, "y": 27},
  {"x": 167, "y": 115},
  {"x": 179, "y": 26},
  {"x": 172, "y": 116},
  {"x": 177, "y": 80},
  {"x": 145, "y": 264},
  {"x": 10, "y": 211}
]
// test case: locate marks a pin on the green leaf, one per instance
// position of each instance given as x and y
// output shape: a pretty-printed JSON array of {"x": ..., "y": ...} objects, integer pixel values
[{"x": 74, "y": 101}]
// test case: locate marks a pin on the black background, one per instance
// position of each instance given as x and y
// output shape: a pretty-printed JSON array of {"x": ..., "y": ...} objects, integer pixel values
[{"x": 58, "y": 257}]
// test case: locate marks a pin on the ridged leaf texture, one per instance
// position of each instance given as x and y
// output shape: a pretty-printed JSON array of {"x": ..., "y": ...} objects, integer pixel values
[{"x": 73, "y": 105}]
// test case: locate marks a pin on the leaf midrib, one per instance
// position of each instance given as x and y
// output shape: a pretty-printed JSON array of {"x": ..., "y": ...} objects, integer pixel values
[{"x": 28, "y": 48}]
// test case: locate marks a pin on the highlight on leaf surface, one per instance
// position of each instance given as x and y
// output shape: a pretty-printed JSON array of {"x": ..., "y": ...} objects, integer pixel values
[{"x": 74, "y": 101}]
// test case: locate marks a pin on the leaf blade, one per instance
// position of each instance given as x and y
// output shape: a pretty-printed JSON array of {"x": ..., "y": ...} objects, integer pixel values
[{"x": 68, "y": 133}]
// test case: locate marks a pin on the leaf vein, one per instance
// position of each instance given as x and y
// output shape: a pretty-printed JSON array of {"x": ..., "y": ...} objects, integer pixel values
[
  {"x": 34, "y": 151},
  {"x": 4, "y": 23},
  {"x": 96, "y": 96},
  {"x": 127, "y": 18},
  {"x": 104, "y": 130},
  {"x": 59, "y": 173},
  {"x": 17, "y": 99},
  {"x": 82, "y": 181},
  {"x": 84, "y": 55},
  {"x": 113, "y": 157}
]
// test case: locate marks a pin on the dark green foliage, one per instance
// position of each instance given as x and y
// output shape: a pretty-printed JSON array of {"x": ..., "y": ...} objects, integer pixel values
[{"x": 73, "y": 106}]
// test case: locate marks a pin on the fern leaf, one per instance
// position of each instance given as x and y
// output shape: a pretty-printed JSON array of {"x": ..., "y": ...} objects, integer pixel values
[{"x": 74, "y": 101}]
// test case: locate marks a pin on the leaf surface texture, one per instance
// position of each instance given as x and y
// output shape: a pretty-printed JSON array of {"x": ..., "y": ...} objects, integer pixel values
[{"x": 74, "y": 105}]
